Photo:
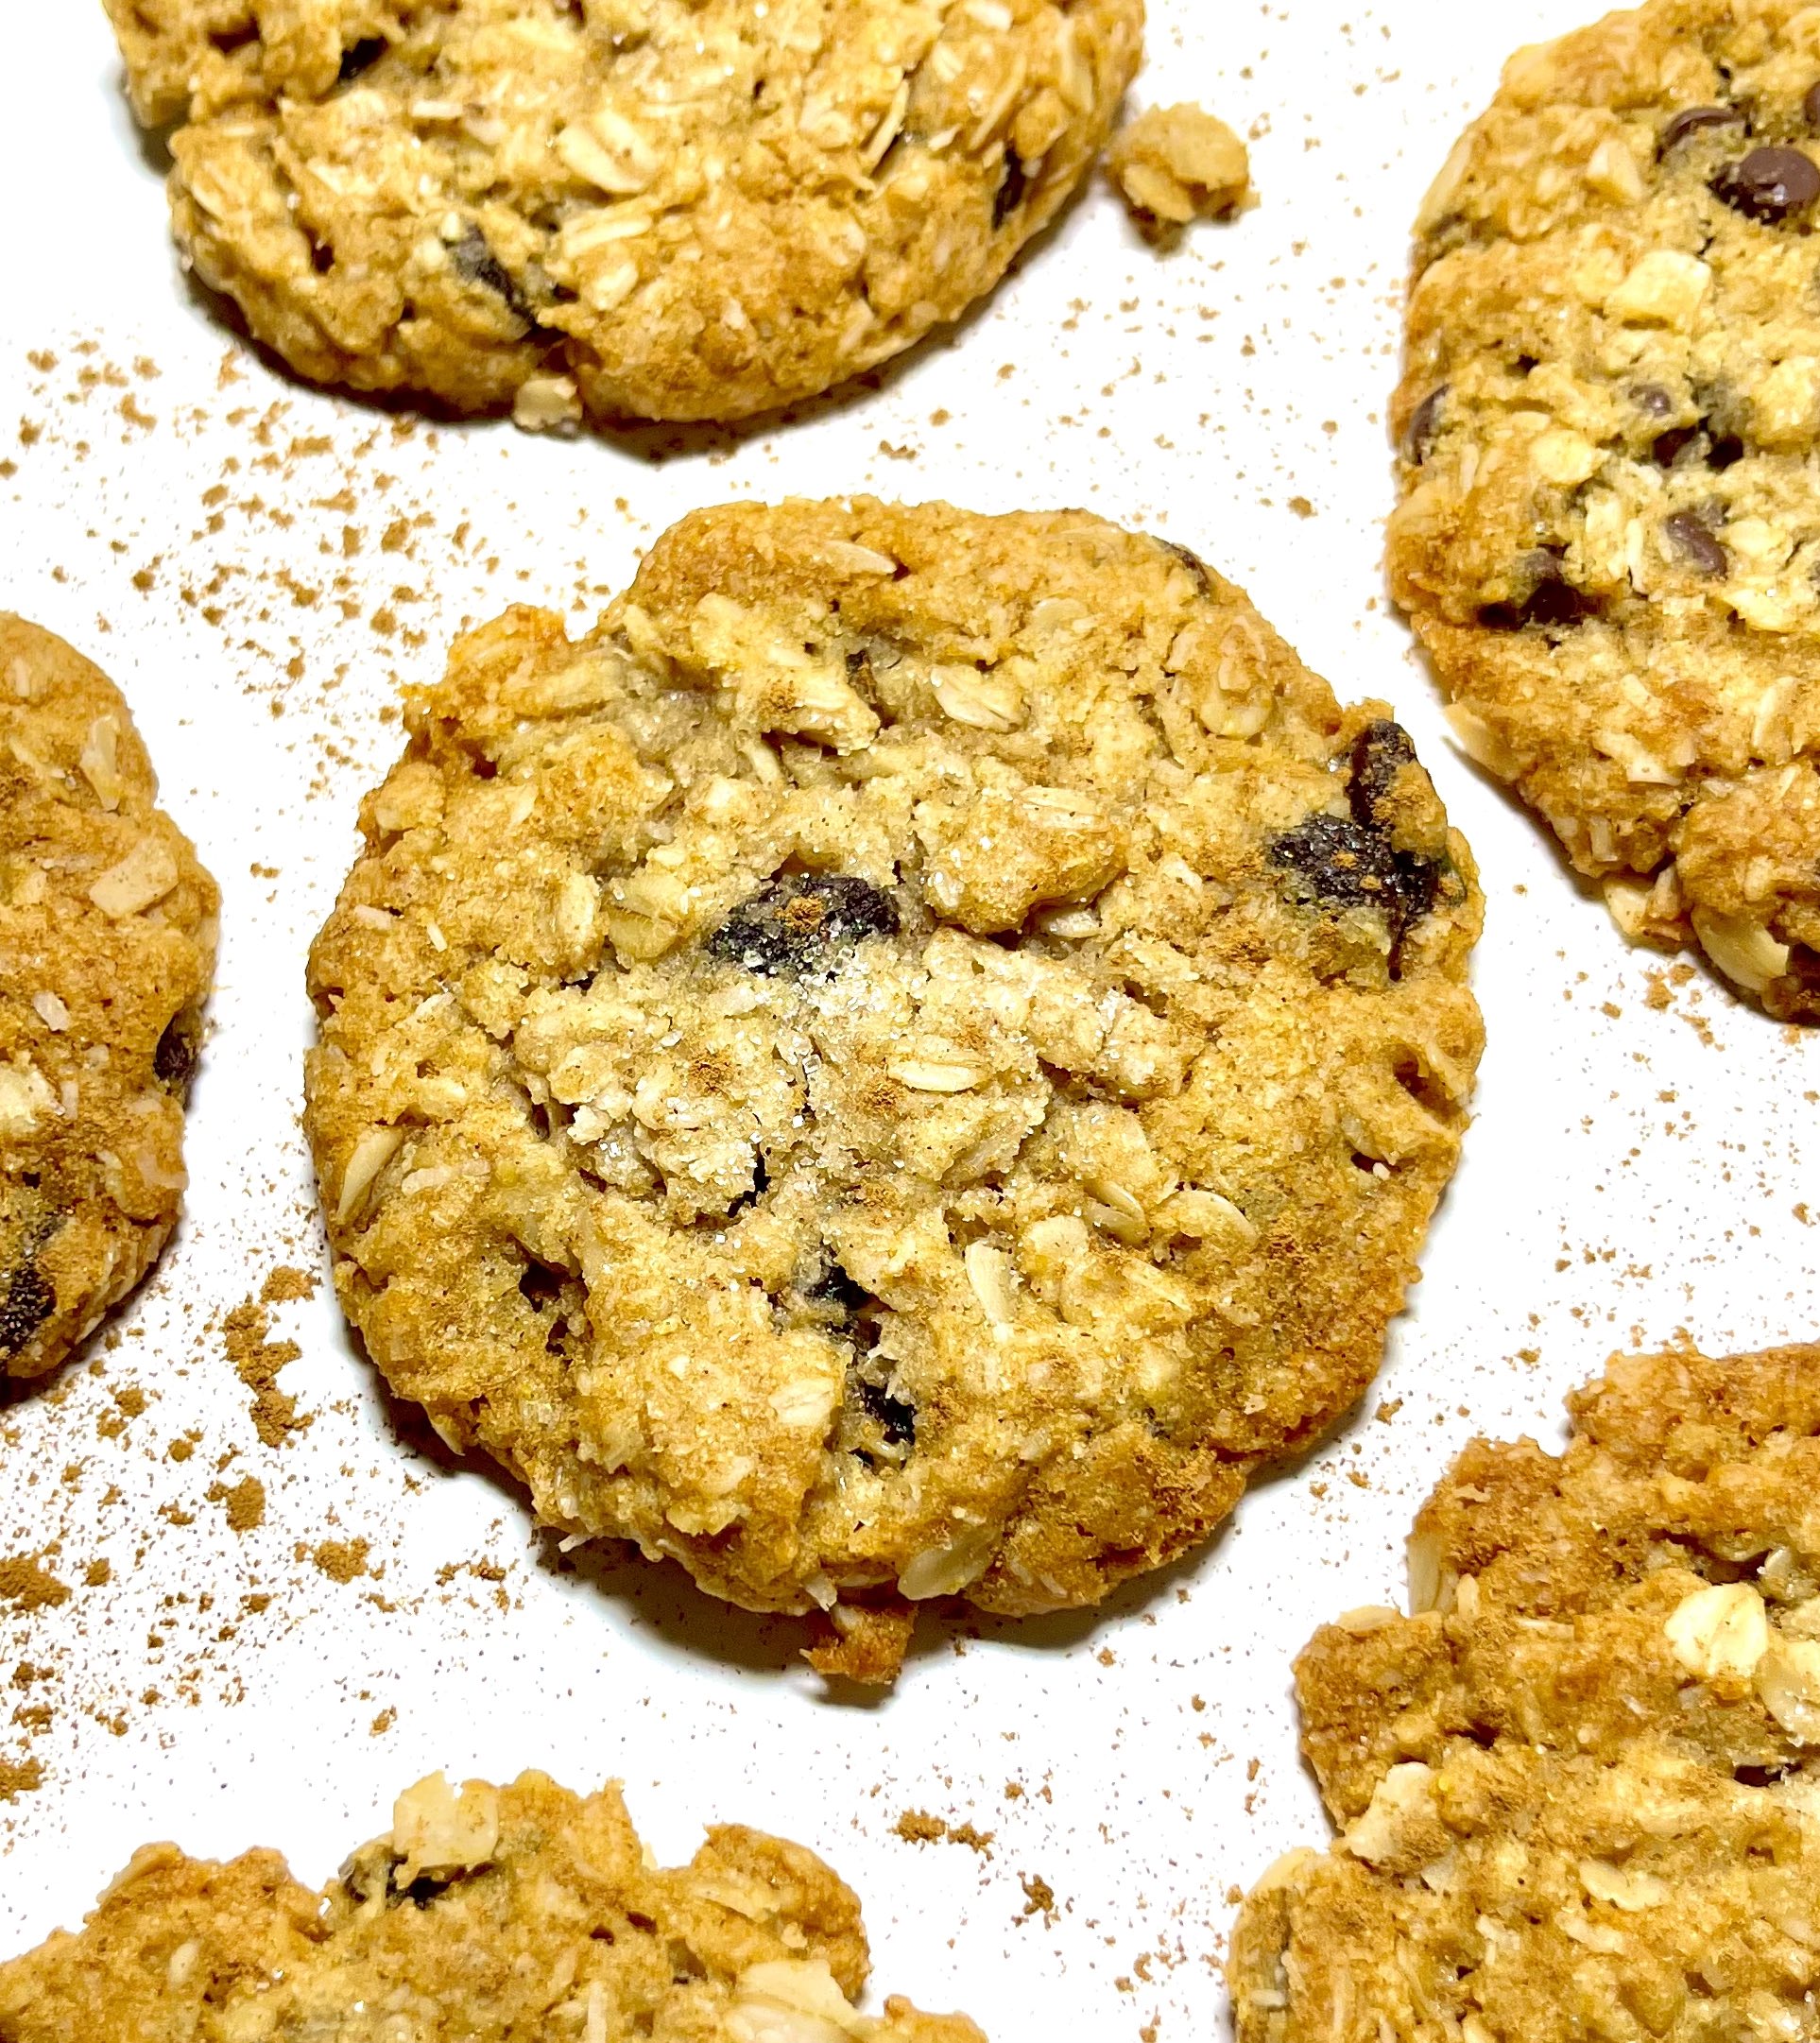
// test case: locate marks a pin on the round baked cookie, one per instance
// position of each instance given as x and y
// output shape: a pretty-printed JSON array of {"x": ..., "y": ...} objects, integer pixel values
[
  {"x": 488, "y": 1915},
  {"x": 1576, "y": 1784},
  {"x": 906, "y": 1063},
  {"x": 1611, "y": 527},
  {"x": 107, "y": 953},
  {"x": 661, "y": 209}
]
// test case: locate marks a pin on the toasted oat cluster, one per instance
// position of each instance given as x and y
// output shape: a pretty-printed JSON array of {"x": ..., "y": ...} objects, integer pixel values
[
  {"x": 491, "y": 1915},
  {"x": 1576, "y": 1789},
  {"x": 107, "y": 953},
  {"x": 905, "y": 1064},
  {"x": 664, "y": 209},
  {"x": 1610, "y": 529},
  {"x": 1177, "y": 164}
]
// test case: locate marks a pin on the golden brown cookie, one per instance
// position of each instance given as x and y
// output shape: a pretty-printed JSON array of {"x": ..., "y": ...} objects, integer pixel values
[
  {"x": 664, "y": 209},
  {"x": 107, "y": 952},
  {"x": 906, "y": 1064},
  {"x": 491, "y": 1916},
  {"x": 1574, "y": 1786},
  {"x": 1610, "y": 530}
]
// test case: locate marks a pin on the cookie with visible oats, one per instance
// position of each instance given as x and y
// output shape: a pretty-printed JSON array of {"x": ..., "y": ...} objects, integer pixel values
[
  {"x": 107, "y": 952},
  {"x": 484, "y": 1917},
  {"x": 906, "y": 1064},
  {"x": 661, "y": 209},
  {"x": 1577, "y": 1787},
  {"x": 1610, "y": 531}
]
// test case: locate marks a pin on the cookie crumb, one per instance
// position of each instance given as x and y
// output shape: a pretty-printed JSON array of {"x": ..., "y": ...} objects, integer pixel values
[{"x": 1174, "y": 165}]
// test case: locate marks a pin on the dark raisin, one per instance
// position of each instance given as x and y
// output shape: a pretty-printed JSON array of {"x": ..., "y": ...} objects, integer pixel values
[
  {"x": 1723, "y": 449},
  {"x": 1012, "y": 187},
  {"x": 1770, "y": 184},
  {"x": 1669, "y": 445},
  {"x": 174, "y": 1058},
  {"x": 1195, "y": 566},
  {"x": 1810, "y": 107},
  {"x": 424, "y": 1889},
  {"x": 1552, "y": 600},
  {"x": 1380, "y": 753},
  {"x": 1424, "y": 424},
  {"x": 801, "y": 922},
  {"x": 894, "y": 1417},
  {"x": 540, "y": 1285},
  {"x": 831, "y": 1285},
  {"x": 761, "y": 1184},
  {"x": 361, "y": 56},
  {"x": 476, "y": 262},
  {"x": 28, "y": 1301},
  {"x": 1694, "y": 121},
  {"x": 1526, "y": 363},
  {"x": 1692, "y": 540}
]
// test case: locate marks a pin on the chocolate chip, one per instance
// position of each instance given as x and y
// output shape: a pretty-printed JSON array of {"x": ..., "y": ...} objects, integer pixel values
[
  {"x": 174, "y": 1057},
  {"x": 1692, "y": 540},
  {"x": 1425, "y": 422},
  {"x": 1380, "y": 753},
  {"x": 894, "y": 1416},
  {"x": 1012, "y": 187},
  {"x": 1669, "y": 445},
  {"x": 1810, "y": 107},
  {"x": 1694, "y": 121},
  {"x": 797, "y": 923},
  {"x": 1723, "y": 449},
  {"x": 361, "y": 56},
  {"x": 1651, "y": 400},
  {"x": 1345, "y": 863},
  {"x": 28, "y": 1302},
  {"x": 1552, "y": 600},
  {"x": 1194, "y": 564},
  {"x": 1770, "y": 184}
]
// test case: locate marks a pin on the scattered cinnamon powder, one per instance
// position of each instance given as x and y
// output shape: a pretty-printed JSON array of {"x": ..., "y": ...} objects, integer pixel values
[
  {"x": 257, "y": 1362},
  {"x": 244, "y": 1501},
  {"x": 19, "y": 1777}
]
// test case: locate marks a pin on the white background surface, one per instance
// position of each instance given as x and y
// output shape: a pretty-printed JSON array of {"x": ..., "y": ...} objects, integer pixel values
[{"x": 1627, "y": 1176}]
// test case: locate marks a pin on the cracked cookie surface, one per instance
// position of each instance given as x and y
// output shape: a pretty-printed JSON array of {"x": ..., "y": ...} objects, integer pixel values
[
  {"x": 906, "y": 1064},
  {"x": 485, "y": 1916},
  {"x": 664, "y": 209},
  {"x": 1610, "y": 530},
  {"x": 107, "y": 953},
  {"x": 1577, "y": 1787}
]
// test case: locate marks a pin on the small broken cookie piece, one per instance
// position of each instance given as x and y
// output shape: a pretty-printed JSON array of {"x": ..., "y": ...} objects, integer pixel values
[
  {"x": 107, "y": 953},
  {"x": 488, "y": 1914},
  {"x": 1585, "y": 1764},
  {"x": 905, "y": 1065},
  {"x": 1174, "y": 165}
]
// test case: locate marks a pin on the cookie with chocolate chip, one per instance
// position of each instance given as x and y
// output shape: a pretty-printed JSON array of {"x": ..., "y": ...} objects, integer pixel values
[
  {"x": 1576, "y": 1786},
  {"x": 491, "y": 1915},
  {"x": 1609, "y": 539},
  {"x": 656, "y": 209},
  {"x": 107, "y": 952},
  {"x": 906, "y": 1064}
]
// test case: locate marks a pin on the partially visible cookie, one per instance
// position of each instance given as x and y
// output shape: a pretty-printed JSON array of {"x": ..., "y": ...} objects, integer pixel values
[
  {"x": 672, "y": 209},
  {"x": 491, "y": 1916},
  {"x": 107, "y": 952},
  {"x": 907, "y": 1063},
  {"x": 1578, "y": 1786},
  {"x": 1610, "y": 530}
]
